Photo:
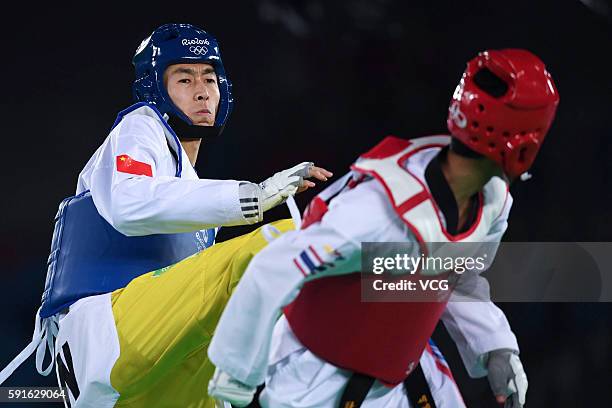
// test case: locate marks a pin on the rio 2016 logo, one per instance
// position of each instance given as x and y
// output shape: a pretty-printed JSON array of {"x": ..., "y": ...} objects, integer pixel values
[
  {"x": 197, "y": 46},
  {"x": 195, "y": 41}
]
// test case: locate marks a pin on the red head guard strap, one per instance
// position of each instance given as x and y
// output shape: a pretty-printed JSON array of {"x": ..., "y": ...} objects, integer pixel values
[{"x": 507, "y": 128}]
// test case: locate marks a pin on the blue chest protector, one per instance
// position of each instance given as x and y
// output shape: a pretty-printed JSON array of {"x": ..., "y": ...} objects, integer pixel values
[{"x": 89, "y": 257}]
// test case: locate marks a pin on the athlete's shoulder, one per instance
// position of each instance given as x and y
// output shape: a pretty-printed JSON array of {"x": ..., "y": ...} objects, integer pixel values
[
  {"x": 140, "y": 117},
  {"x": 392, "y": 145},
  {"x": 497, "y": 198},
  {"x": 139, "y": 125}
]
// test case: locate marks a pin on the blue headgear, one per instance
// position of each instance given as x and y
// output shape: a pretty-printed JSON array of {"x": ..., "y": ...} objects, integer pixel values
[{"x": 178, "y": 44}]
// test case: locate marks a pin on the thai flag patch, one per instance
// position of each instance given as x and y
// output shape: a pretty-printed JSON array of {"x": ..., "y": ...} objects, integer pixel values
[
  {"x": 312, "y": 261},
  {"x": 441, "y": 363},
  {"x": 436, "y": 352}
]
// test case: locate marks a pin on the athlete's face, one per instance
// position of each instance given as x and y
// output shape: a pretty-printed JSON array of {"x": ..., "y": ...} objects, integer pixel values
[{"x": 194, "y": 90}]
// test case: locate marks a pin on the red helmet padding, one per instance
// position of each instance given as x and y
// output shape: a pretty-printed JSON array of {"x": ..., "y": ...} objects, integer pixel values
[{"x": 508, "y": 129}]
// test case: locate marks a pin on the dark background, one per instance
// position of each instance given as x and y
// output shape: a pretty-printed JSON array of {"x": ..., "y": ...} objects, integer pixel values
[{"x": 323, "y": 81}]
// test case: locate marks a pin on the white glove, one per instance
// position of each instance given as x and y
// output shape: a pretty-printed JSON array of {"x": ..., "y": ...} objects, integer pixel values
[
  {"x": 227, "y": 388},
  {"x": 507, "y": 377},
  {"x": 255, "y": 199},
  {"x": 276, "y": 189}
]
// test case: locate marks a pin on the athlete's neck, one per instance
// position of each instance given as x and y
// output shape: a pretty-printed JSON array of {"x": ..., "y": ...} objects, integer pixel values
[
  {"x": 466, "y": 177},
  {"x": 191, "y": 147}
]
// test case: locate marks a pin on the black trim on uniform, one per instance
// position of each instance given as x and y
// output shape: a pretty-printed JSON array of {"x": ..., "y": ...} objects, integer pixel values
[
  {"x": 67, "y": 375},
  {"x": 356, "y": 390},
  {"x": 417, "y": 389},
  {"x": 444, "y": 197}
]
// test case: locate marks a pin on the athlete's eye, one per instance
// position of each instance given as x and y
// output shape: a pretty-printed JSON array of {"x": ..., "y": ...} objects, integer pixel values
[
  {"x": 184, "y": 81},
  {"x": 211, "y": 80}
]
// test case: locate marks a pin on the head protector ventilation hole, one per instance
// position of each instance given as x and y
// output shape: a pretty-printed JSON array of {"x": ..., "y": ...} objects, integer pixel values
[{"x": 490, "y": 83}]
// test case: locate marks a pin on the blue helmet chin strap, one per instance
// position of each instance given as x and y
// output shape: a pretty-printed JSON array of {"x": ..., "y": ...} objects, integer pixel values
[{"x": 190, "y": 131}]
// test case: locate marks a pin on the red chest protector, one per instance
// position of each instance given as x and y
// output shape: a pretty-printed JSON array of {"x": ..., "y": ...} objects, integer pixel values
[{"x": 382, "y": 340}]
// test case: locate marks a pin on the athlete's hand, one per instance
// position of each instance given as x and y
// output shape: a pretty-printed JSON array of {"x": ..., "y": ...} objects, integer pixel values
[
  {"x": 317, "y": 172},
  {"x": 507, "y": 378},
  {"x": 286, "y": 183}
]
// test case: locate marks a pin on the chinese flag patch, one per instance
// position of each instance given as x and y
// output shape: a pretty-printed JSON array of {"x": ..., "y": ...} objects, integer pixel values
[{"x": 126, "y": 164}]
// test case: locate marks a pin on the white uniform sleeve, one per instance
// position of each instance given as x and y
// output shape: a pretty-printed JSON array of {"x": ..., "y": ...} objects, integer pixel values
[
  {"x": 143, "y": 205},
  {"x": 241, "y": 343},
  {"x": 478, "y": 327}
]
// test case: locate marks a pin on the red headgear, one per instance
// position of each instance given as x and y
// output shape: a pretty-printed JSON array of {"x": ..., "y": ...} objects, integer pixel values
[{"x": 503, "y": 107}]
